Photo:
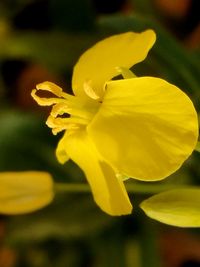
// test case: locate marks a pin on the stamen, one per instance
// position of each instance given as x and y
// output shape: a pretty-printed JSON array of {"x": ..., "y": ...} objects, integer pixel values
[
  {"x": 71, "y": 127},
  {"x": 60, "y": 109},
  {"x": 81, "y": 110},
  {"x": 125, "y": 72},
  {"x": 51, "y": 87},
  {"x": 72, "y": 109},
  {"x": 54, "y": 89},
  {"x": 43, "y": 101},
  {"x": 79, "y": 107},
  {"x": 60, "y": 124},
  {"x": 89, "y": 90}
]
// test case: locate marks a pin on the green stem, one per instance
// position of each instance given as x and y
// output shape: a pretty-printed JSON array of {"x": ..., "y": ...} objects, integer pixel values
[
  {"x": 150, "y": 254},
  {"x": 131, "y": 188},
  {"x": 71, "y": 188}
]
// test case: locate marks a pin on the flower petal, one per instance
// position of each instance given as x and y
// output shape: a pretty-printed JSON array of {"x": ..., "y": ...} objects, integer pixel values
[
  {"x": 23, "y": 192},
  {"x": 61, "y": 152},
  {"x": 179, "y": 207},
  {"x": 146, "y": 128},
  {"x": 109, "y": 192},
  {"x": 99, "y": 64}
]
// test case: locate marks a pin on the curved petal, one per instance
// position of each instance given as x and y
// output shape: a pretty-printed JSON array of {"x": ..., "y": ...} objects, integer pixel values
[
  {"x": 146, "y": 127},
  {"x": 61, "y": 152},
  {"x": 109, "y": 192},
  {"x": 99, "y": 63},
  {"x": 23, "y": 192}
]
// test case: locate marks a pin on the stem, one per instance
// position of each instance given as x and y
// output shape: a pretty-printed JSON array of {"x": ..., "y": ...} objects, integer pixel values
[
  {"x": 131, "y": 188},
  {"x": 150, "y": 254}
]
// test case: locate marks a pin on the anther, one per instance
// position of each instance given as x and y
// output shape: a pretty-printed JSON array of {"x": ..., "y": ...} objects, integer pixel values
[{"x": 89, "y": 90}]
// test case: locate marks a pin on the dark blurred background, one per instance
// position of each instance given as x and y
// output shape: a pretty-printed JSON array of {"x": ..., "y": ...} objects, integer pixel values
[{"x": 42, "y": 40}]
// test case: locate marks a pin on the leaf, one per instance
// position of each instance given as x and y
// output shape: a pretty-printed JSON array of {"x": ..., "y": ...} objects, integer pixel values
[
  {"x": 178, "y": 207},
  {"x": 26, "y": 144},
  {"x": 60, "y": 54}
]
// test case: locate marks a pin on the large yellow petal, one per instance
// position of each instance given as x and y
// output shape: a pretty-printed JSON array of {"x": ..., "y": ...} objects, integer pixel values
[
  {"x": 22, "y": 192},
  {"x": 99, "y": 64},
  {"x": 146, "y": 128},
  {"x": 109, "y": 192}
]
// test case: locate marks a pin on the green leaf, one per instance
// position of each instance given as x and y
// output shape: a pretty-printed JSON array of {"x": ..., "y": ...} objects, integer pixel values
[
  {"x": 178, "y": 207},
  {"x": 60, "y": 54}
]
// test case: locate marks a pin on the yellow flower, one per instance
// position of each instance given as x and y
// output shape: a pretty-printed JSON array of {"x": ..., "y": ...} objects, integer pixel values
[
  {"x": 23, "y": 192},
  {"x": 143, "y": 128}
]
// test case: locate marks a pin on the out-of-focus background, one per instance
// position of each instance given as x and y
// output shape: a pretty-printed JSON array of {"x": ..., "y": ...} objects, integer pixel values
[{"x": 42, "y": 40}]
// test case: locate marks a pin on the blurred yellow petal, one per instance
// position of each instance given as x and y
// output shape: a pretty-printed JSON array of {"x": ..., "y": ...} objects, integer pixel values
[
  {"x": 108, "y": 191},
  {"x": 146, "y": 127},
  {"x": 100, "y": 63},
  {"x": 179, "y": 207},
  {"x": 23, "y": 192}
]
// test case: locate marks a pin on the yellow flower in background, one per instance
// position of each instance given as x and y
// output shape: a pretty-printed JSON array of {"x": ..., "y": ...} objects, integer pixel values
[
  {"x": 144, "y": 128},
  {"x": 24, "y": 192}
]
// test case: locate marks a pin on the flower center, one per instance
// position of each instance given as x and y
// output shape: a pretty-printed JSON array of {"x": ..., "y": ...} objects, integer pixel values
[{"x": 68, "y": 112}]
